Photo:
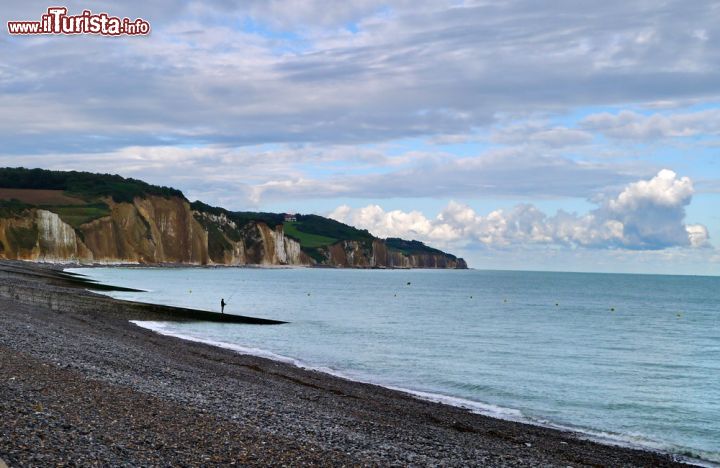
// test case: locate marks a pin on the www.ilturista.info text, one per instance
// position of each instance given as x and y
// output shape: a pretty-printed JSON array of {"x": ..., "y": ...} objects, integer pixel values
[{"x": 57, "y": 21}]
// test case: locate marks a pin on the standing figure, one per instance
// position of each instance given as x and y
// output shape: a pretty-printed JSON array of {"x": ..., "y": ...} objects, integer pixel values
[{"x": 222, "y": 305}]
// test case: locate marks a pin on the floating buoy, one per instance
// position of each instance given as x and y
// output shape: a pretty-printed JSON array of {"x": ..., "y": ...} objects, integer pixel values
[
  {"x": 612, "y": 309},
  {"x": 557, "y": 305},
  {"x": 408, "y": 283}
]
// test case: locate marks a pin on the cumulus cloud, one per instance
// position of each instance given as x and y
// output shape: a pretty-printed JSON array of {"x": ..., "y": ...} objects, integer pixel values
[
  {"x": 698, "y": 235},
  {"x": 628, "y": 125},
  {"x": 397, "y": 223},
  {"x": 645, "y": 215}
]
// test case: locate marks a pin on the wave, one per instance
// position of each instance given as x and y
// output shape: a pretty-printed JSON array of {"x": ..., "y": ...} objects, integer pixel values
[{"x": 636, "y": 441}]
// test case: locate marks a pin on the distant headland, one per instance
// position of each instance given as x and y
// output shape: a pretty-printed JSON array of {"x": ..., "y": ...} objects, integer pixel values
[{"x": 82, "y": 217}]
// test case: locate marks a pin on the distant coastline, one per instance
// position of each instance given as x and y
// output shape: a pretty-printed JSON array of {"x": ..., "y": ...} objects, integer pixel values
[{"x": 57, "y": 216}]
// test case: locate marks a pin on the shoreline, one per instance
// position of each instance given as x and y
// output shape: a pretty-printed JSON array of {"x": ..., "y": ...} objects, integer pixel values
[
  {"x": 62, "y": 265},
  {"x": 465, "y": 404},
  {"x": 475, "y": 407},
  {"x": 313, "y": 417}
]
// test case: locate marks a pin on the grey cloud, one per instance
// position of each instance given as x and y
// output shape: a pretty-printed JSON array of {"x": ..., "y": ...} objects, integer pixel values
[
  {"x": 415, "y": 70},
  {"x": 628, "y": 125},
  {"x": 232, "y": 173},
  {"x": 542, "y": 134},
  {"x": 258, "y": 175},
  {"x": 499, "y": 173}
]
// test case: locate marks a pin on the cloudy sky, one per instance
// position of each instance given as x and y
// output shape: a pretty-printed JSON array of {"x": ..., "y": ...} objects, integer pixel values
[{"x": 561, "y": 135}]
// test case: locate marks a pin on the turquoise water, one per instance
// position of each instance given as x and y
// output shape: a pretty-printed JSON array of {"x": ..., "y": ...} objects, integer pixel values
[{"x": 633, "y": 358}]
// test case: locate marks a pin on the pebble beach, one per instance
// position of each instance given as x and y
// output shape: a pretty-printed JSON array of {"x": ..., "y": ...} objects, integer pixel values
[{"x": 81, "y": 386}]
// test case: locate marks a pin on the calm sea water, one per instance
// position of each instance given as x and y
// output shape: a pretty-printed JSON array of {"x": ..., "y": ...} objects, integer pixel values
[{"x": 633, "y": 358}]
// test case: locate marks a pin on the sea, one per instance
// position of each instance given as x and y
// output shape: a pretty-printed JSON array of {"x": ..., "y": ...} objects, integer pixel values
[{"x": 626, "y": 359}]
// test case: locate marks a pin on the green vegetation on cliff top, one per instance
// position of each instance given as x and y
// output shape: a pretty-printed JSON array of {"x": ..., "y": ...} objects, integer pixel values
[
  {"x": 318, "y": 225},
  {"x": 307, "y": 241},
  {"x": 83, "y": 184},
  {"x": 76, "y": 216},
  {"x": 12, "y": 208},
  {"x": 412, "y": 247},
  {"x": 240, "y": 218}
]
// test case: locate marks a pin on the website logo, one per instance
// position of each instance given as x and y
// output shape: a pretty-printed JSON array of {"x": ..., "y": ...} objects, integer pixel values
[{"x": 57, "y": 21}]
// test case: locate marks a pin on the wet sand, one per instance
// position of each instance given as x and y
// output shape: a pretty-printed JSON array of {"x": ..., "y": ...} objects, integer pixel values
[{"x": 80, "y": 385}]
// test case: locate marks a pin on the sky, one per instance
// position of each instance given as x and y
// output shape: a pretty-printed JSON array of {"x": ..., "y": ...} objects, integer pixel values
[{"x": 558, "y": 135}]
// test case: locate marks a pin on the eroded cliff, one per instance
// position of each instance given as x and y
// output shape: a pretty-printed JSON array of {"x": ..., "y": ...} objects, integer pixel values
[
  {"x": 157, "y": 229},
  {"x": 149, "y": 230}
]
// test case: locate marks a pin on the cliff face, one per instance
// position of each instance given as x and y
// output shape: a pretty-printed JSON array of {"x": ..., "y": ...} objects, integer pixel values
[
  {"x": 382, "y": 255},
  {"x": 41, "y": 236},
  {"x": 151, "y": 230},
  {"x": 254, "y": 243},
  {"x": 166, "y": 230}
]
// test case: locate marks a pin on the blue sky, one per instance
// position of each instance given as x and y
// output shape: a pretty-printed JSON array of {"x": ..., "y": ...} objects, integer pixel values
[{"x": 532, "y": 135}]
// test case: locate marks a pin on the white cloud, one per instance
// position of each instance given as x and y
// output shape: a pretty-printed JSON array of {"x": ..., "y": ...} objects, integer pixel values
[
  {"x": 398, "y": 223},
  {"x": 698, "y": 234},
  {"x": 652, "y": 212},
  {"x": 646, "y": 215},
  {"x": 665, "y": 189}
]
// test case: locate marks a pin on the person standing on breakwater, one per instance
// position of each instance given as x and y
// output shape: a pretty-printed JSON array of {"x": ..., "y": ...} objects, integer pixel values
[{"x": 222, "y": 305}]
